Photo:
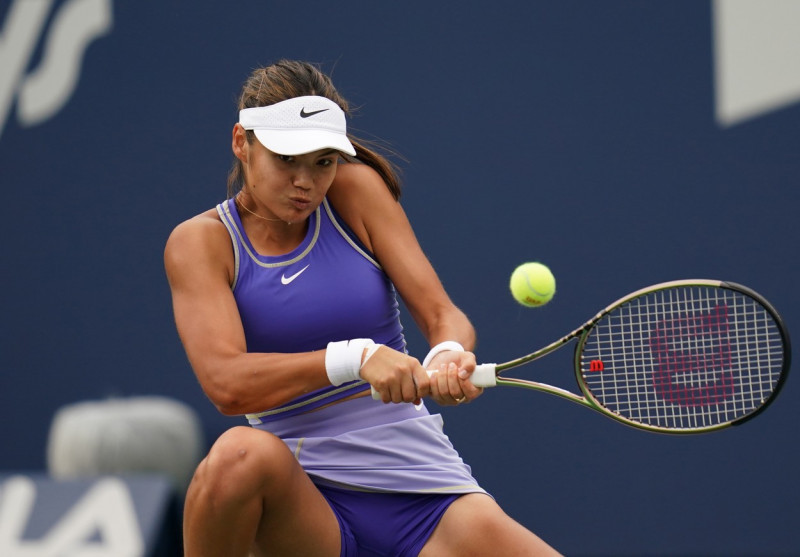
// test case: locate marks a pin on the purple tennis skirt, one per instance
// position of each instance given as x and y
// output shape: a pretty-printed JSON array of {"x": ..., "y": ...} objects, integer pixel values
[{"x": 366, "y": 445}]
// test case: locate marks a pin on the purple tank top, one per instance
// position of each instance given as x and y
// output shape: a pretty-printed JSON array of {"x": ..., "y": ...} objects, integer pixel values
[{"x": 328, "y": 289}]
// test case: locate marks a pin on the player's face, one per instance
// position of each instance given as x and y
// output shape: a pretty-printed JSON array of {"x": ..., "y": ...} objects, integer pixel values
[{"x": 285, "y": 187}]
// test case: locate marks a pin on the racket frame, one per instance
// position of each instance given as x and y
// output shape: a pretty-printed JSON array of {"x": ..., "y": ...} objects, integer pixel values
[{"x": 481, "y": 376}]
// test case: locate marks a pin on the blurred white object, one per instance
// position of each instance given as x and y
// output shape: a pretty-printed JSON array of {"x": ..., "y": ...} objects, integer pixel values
[
  {"x": 756, "y": 58},
  {"x": 126, "y": 436}
]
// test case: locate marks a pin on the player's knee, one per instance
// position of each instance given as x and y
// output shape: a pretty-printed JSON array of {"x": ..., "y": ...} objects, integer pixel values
[{"x": 241, "y": 463}]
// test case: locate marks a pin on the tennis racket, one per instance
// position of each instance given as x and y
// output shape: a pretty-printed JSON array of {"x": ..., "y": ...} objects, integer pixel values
[{"x": 687, "y": 356}]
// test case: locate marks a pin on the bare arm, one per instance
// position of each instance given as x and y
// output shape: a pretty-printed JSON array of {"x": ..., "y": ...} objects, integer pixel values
[
  {"x": 363, "y": 201},
  {"x": 199, "y": 260},
  {"x": 380, "y": 222}
]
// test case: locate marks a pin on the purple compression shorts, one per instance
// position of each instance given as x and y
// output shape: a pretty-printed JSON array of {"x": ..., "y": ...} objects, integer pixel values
[{"x": 385, "y": 524}]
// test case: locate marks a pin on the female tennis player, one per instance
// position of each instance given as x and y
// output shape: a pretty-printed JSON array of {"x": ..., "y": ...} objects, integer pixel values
[{"x": 285, "y": 300}]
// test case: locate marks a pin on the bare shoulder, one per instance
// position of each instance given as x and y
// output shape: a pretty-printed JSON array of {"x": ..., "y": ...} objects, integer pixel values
[
  {"x": 358, "y": 188},
  {"x": 362, "y": 199},
  {"x": 355, "y": 177},
  {"x": 356, "y": 172},
  {"x": 200, "y": 240},
  {"x": 202, "y": 228}
]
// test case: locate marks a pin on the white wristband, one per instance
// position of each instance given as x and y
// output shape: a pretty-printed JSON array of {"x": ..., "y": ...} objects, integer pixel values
[
  {"x": 343, "y": 360},
  {"x": 441, "y": 347}
]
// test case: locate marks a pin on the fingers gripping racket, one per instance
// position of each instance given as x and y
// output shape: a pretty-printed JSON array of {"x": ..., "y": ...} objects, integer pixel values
[{"x": 686, "y": 356}]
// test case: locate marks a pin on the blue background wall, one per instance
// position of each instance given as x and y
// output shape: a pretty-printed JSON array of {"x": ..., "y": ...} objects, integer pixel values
[{"x": 578, "y": 133}]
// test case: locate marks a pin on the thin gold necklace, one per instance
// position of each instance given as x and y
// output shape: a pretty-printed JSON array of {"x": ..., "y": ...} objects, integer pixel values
[{"x": 242, "y": 205}]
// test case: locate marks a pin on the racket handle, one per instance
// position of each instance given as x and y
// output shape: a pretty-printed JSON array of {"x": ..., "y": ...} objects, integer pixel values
[{"x": 483, "y": 376}]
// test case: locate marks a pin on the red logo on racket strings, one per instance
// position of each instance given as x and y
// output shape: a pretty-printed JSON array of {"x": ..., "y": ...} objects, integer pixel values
[
  {"x": 693, "y": 359},
  {"x": 596, "y": 365}
]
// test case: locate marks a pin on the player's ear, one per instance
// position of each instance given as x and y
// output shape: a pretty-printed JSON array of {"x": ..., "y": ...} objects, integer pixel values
[{"x": 239, "y": 143}]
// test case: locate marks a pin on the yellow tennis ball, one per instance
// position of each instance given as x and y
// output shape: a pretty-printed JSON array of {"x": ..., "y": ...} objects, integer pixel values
[{"x": 532, "y": 284}]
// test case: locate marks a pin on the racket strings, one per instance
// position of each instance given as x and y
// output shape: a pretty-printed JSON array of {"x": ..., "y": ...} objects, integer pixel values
[{"x": 688, "y": 357}]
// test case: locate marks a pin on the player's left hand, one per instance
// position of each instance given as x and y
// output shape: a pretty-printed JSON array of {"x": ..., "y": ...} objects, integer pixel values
[{"x": 450, "y": 384}]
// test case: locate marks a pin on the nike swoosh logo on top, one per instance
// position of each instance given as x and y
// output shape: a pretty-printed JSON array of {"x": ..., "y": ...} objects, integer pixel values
[
  {"x": 304, "y": 114},
  {"x": 287, "y": 280}
]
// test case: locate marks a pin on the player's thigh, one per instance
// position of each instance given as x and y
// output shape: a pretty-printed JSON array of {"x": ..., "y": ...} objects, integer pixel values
[
  {"x": 295, "y": 519},
  {"x": 476, "y": 525},
  {"x": 302, "y": 523}
]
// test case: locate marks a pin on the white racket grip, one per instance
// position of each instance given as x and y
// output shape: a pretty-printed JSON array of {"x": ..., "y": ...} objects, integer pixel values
[{"x": 484, "y": 375}]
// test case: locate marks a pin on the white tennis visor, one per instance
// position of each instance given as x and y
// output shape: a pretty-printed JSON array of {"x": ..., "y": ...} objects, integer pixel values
[{"x": 298, "y": 126}]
